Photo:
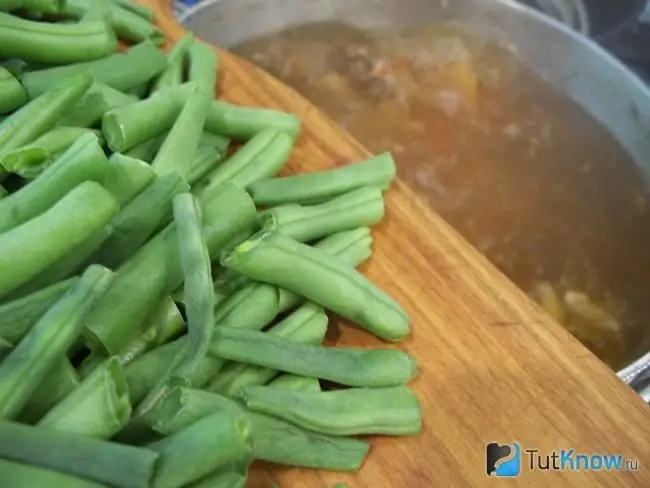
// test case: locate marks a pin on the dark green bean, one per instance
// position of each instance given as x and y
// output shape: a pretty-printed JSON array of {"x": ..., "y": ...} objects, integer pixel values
[
  {"x": 204, "y": 65},
  {"x": 19, "y": 475},
  {"x": 98, "y": 408},
  {"x": 178, "y": 151},
  {"x": 107, "y": 463},
  {"x": 41, "y": 114},
  {"x": 173, "y": 74},
  {"x": 17, "y": 317},
  {"x": 197, "y": 275},
  {"x": 264, "y": 155},
  {"x": 55, "y": 332},
  {"x": 84, "y": 160},
  {"x": 378, "y": 171},
  {"x": 243, "y": 123},
  {"x": 32, "y": 247},
  {"x": 12, "y": 93},
  {"x": 121, "y": 71},
  {"x": 355, "y": 411},
  {"x": 321, "y": 278},
  {"x": 280, "y": 442},
  {"x": 49, "y": 43},
  {"x": 363, "y": 207},
  {"x": 352, "y": 367}
]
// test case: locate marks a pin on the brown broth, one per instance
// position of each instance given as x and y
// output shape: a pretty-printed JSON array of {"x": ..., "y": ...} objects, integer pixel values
[{"x": 527, "y": 176}]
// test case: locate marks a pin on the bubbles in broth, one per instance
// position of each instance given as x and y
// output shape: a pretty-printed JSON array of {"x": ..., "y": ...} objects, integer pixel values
[{"x": 527, "y": 176}]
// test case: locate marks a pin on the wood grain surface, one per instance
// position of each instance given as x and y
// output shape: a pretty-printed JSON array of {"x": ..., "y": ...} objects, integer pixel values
[{"x": 493, "y": 366}]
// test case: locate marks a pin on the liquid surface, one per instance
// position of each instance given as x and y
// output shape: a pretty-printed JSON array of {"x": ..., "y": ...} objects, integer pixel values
[{"x": 523, "y": 173}]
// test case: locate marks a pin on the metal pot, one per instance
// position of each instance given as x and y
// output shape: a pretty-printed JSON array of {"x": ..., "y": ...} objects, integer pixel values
[{"x": 570, "y": 62}]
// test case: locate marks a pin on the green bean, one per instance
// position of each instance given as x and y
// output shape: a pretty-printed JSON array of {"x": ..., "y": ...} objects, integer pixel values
[
  {"x": 32, "y": 159},
  {"x": 66, "y": 266},
  {"x": 60, "y": 381},
  {"x": 262, "y": 156},
  {"x": 126, "y": 24},
  {"x": 147, "y": 150},
  {"x": 280, "y": 442},
  {"x": 197, "y": 274},
  {"x": 355, "y": 411},
  {"x": 205, "y": 446},
  {"x": 31, "y": 248},
  {"x": 294, "y": 382},
  {"x": 252, "y": 307},
  {"x": 307, "y": 325},
  {"x": 378, "y": 171},
  {"x": 181, "y": 407},
  {"x": 65, "y": 43},
  {"x": 17, "y": 317},
  {"x": 99, "y": 99},
  {"x": 12, "y": 93},
  {"x": 19, "y": 475},
  {"x": 34, "y": 6},
  {"x": 142, "y": 10},
  {"x": 321, "y": 278},
  {"x": 106, "y": 463},
  {"x": 243, "y": 123},
  {"x": 31, "y": 360},
  {"x": 155, "y": 271},
  {"x": 83, "y": 161},
  {"x": 225, "y": 478},
  {"x": 3, "y": 192},
  {"x": 140, "y": 219},
  {"x": 99, "y": 408},
  {"x": 128, "y": 126},
  {"x": 173, "y": 74},
  {"x": 220, "y": 143},
  {"x": 352, "y": 367},
  {"x": 205, "y": 159},
  {"x": 361, "y": 207},
  {"x": 204, "y": 65},
  {"x": 42, "y": 114},
  {"x": 179, "y": 148},
  {"x": 127, "y": 177},
  {"x": 121, "y": 71}
]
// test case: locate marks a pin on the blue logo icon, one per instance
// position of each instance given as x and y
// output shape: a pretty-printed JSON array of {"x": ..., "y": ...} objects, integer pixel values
[{"x": 502, "y": 460}]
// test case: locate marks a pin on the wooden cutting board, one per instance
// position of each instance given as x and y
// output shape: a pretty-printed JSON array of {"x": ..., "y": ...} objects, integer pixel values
[{"x": 493, "y": 366}]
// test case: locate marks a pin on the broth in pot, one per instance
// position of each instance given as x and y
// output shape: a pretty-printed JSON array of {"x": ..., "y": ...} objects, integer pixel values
[{"x": 527, "y": 176}]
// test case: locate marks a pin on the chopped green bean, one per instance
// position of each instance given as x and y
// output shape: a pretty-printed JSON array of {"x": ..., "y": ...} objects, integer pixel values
[
  {"x": 32, "y": 247},
  {"x": 384, "y": 411},
  {"x": 147, "y": 150},
  {"x": 155, "y": 271},
  {"x": 378, "y": 171},
  {"x": 18, "y": 316},
  {"x": 84, "y": 160},
  {"x": 181, "y": 407},
  {"x": 220, "y": 143},
  {"x": 243, "y": 123},
  {"x": 262, "y": 156},
  {"x": 49, "y": 43},
  {"x": 173, "y": 74},
  {"x": 140, "y": 219},
  {"x": 295, "y": 382},
  {"x": 307, "y": 325},
  {"x": 98, "y": 100},
  {"x": 321, "y": 278},
  {"x": 121, "y": 71},
  {"x": 358, "y": 208},
  {"x": 225, "y": 478},
  {"x": 3, "y": 192},
  {"x": 49, "y": 339},
  {"x": 142, "y": 10},
  {"x": 12, "y": 93},
  {"x": 280, "y": 442},
  {"x": 19, "y": 475},
  {"x": 31, "y": 160},
  {"x": 204, "y": 65},
  {"x": 127, "y": 177},
  {"x": 204, "y": 161},
  {"x": 373, "y": 368},
  {"x": 197, "y": 274},
  {"x": 207, "y": 445},
  {"x": 42, "y": 114},
  {"x": 99, "y": 408},
  {"x": 106, "y": 463},
  {"x": 252, "y": 307},
  {"x": 179, "y": 148}
]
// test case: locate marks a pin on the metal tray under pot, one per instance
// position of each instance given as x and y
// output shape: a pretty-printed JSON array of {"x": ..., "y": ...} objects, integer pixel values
[{"x": 569, "y": 62}]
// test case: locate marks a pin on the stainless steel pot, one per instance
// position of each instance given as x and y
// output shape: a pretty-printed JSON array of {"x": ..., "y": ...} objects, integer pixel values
[{"x": 572, "y": 63}]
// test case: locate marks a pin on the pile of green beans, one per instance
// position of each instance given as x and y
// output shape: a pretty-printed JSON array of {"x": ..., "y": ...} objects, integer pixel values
[{"x": 165, "y": 297}]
